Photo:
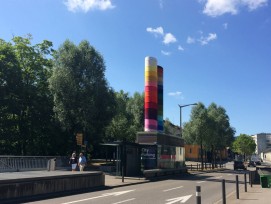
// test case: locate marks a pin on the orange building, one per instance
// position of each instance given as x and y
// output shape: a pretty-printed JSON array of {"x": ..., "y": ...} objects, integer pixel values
[{"x": 193, "y": 152}]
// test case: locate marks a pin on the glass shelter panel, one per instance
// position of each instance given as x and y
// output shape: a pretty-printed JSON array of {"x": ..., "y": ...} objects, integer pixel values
[{"x": 170, "y": 157}]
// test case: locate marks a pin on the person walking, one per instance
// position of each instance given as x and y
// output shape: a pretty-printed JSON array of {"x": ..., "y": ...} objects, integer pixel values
[
  {"x": 82, "y": 161},
  {"x": 73, "y": 161}
]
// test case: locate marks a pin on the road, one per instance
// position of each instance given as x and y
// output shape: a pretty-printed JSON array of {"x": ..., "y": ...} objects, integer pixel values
[{"x": 172, "y": 190}]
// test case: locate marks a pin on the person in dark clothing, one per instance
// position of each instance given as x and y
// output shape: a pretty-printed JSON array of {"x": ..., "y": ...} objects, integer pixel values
[{"x": 73, "y": 161}]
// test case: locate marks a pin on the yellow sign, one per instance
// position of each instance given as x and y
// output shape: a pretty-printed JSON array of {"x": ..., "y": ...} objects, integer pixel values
[{"x": 79, "y": 138}]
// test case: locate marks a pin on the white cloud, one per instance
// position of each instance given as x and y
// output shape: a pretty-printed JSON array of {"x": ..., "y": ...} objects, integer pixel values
[
  {"x": 225, "y": 26},
  {"x": 190, "y": 40},
  {"x": 156, "y": 31},
  {"x": 176, "y": 93},
  {"x": 165, "y": 53},
  {"x": 254, "y": 4},
  {"x": 180, "y": 48},
  {"x": 86, "y": 5},
  {"x": 219, "y": 7},
  {"x": 169, "y": 38},
  {"x": 206, "y": 40},
  {"x": 159, "y": 31}
]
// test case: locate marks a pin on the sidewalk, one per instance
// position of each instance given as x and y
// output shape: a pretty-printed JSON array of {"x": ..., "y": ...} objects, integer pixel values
[{"x": 256, "y": 194}]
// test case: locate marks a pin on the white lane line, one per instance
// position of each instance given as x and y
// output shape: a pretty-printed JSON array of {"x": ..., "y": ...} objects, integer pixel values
[
  {"x": 101, "y": 196},
  {"x": 218, "y": 177},
  {"x": 201, "y": 181},
  {"x": 172, "y": 189},
  {"x": 124, "y": 201},
  {"x": 77, "y": 201},
  {"x": 229, "y": 174}
]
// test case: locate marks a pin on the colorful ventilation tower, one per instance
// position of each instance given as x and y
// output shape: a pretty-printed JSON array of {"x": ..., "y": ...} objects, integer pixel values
[{"x": 153, "y": 103}]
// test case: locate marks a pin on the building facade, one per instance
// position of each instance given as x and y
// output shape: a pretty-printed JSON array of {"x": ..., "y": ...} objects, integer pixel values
[{"x": 263, "y": 142}]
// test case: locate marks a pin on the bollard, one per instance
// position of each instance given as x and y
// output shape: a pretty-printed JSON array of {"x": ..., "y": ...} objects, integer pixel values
[
  {"x": 250, "y": 178},
  {"x": 122, "y": 171},
  {"x": 245, "y": 178},
  {"x": 237, "y": 187},
  {"x": 223, "y": 192},
  {"x": 198, "y": 195}
]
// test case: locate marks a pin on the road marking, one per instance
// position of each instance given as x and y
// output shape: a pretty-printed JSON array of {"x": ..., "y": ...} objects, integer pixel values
[
  {"x": 218, "y": 177},
  {"x": 178, "y": 199},
  {"x": 124, "y": 201},
  {"x": 101, "y": 196},
  {"x": 201, "y": 181},
  {"x": 172, "y": 189},
  {"x": 229, "y": 174}
]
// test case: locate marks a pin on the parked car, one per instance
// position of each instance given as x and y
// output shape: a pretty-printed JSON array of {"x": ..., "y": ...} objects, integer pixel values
[
  {"x": 258, "y": 162},
  {"x": 239, "y": 165},
  {"x": 252, "y": 163}
]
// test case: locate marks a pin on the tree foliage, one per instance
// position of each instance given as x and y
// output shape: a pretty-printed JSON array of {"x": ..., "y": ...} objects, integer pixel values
[
  {"x": 83, "y": 101},
  {"x": 129, "y": 118},
  {"x": 26, "y": 103},
  {"x": 170, "y": 128},
  {"x": 244, "y": 144},
  {"x": 48, "y": 96},
  {"x": 209, "y": 127},
  {"x": 196, "y": 131}
]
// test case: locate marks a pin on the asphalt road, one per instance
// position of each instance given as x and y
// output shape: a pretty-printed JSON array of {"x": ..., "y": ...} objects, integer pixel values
[{"x": 169, "y": 191}]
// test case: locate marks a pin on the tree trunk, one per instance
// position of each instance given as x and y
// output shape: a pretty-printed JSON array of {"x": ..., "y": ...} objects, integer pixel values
[
  {"x": 212, "y": 156},
  {"x": 201, "y": 155}
]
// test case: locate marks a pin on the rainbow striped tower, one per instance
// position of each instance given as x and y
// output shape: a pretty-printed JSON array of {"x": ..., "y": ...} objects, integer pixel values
[
  {"x": 151, "y": 94},
  {"x": 160, "y": 71}
]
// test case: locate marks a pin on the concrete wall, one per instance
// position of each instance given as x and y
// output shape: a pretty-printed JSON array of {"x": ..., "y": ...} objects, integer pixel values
[{"x": 25, "y": 187}]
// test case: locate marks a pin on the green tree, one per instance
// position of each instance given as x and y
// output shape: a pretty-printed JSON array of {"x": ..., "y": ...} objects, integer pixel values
[
  {"x": 210, "y": 128},
  {"x": 135, "y": 108},
  {"x": 221, "y": 133},
  {"x": 244, "y": 145},
  {"x": 170, "y": 128},
  {"x": 83, "y": 101},
  {"x": 27, "y": 102},
  {"x": 10, "y": 94},
  {"x": 118, "y": 128},
  {"x": 196, "y": 131},
  {"x": 129, "y": 118}
]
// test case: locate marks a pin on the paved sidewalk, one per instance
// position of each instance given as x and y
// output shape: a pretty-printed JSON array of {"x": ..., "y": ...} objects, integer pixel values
[{"x": 256, "y": 194}]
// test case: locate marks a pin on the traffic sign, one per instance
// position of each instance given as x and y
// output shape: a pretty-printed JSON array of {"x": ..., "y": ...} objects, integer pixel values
[{"x": 79, "y": 138}]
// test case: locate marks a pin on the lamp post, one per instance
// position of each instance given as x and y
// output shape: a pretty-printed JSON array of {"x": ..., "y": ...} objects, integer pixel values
[{"x": 192, "y": 104}]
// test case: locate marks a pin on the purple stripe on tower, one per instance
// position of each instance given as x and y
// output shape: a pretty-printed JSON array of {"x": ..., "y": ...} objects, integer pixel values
[{"x": 160, "y": 72}]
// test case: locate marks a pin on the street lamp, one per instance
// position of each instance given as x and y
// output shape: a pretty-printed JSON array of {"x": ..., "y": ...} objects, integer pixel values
[{"x": 192, "y": 104}]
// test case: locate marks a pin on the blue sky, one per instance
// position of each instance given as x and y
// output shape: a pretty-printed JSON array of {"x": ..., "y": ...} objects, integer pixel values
[{"x": 211, "y": 50}]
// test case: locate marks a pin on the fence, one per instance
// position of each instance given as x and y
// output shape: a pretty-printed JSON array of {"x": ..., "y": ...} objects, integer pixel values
[
  {"x": 197, "y": 167},
  {"x": 30, "y": 163}
]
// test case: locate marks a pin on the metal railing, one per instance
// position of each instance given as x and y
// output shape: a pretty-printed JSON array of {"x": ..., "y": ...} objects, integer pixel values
[
  {"x": 30, "y": 163},
  {"x": 206, "y": 166}
]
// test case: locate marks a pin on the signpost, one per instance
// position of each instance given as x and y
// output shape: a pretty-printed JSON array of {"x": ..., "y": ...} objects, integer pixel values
[{"x": 79, "y": 139}]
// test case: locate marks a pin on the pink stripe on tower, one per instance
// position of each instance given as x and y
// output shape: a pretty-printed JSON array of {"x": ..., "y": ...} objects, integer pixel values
[{"x": 151, "y": 94}]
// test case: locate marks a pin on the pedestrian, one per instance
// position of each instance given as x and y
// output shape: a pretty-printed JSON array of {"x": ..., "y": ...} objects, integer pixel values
[
  {"x": 82, "y": 161},
  {"x": 73, "y": 161}
]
